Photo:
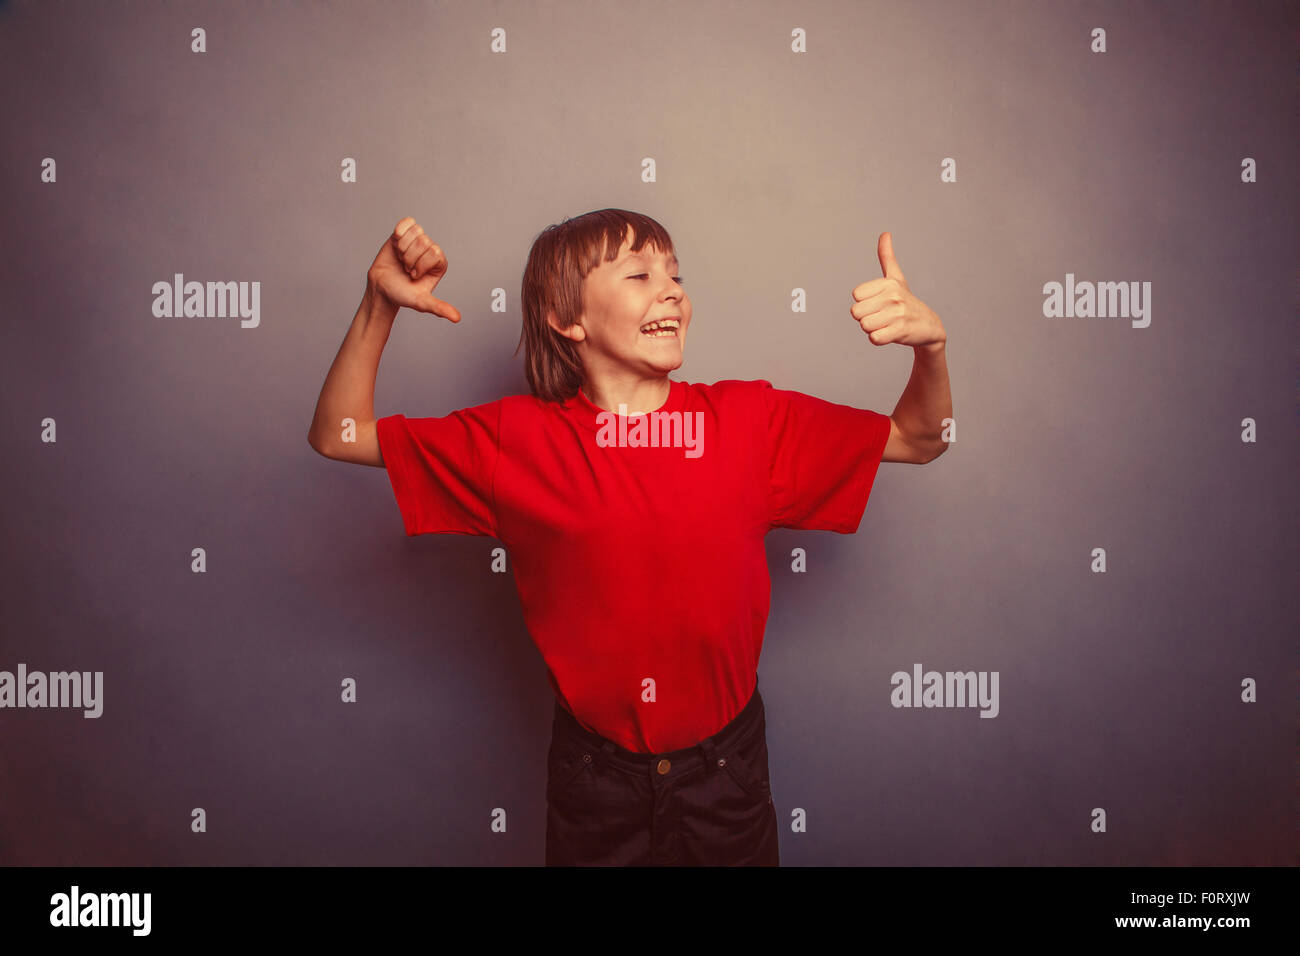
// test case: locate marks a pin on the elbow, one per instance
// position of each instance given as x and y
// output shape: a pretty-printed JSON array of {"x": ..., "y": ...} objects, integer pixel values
[
  {"x": 316, "y": 444},
  {"x": 936, "y": 452}
]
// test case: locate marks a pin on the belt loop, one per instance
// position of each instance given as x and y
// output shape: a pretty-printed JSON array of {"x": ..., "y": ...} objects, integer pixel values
[{"x": 707, "y": 748}]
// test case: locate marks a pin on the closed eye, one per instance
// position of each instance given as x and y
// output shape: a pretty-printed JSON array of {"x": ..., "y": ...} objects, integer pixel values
[{"x": 645, "y": 275}]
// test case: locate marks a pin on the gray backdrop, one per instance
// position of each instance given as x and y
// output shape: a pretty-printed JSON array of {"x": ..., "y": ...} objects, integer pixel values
[{"x": 776, "y": 170}]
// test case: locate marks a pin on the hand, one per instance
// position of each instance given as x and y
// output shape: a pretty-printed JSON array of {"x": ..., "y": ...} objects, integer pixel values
[
  {"x": 408, "y": 268},
  {"x": 888, "y": 311}
]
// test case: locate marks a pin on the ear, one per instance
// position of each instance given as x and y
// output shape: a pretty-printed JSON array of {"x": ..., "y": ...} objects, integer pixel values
[{"x": 575, "y": 332}]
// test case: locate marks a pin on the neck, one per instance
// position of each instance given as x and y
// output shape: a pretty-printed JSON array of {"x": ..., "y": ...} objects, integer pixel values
[{"x": 639, "y": 395}]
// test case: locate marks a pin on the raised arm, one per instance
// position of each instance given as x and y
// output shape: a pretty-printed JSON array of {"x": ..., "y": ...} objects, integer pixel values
[
  {"x": 889, "y": 313},
  {"x": 349, "y": 389},
  {"x": 404, "y": 273}
]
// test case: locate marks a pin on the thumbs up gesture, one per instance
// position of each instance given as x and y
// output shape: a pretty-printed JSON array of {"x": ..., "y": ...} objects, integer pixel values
[{"x": 888, "y": 311}]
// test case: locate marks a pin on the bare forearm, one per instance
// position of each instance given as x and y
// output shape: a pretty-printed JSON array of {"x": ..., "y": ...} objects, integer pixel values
[
  {"x": 927, "y": 400},
  {"x": 349, "y": 389}
]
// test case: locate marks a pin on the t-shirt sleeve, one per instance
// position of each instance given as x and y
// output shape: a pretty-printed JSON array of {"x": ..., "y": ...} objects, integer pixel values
[
  {"x": 823, "y": 460},
  {"x": 442, "y": 469}
]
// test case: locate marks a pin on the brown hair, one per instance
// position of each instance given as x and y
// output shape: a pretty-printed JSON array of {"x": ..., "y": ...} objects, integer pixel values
[{"x": 560, "y": 259}]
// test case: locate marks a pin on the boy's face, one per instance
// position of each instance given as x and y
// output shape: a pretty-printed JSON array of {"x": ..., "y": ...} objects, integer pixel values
[{"x": 619, "y": 299}]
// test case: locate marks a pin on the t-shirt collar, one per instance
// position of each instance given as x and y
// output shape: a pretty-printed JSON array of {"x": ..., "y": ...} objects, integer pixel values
[{"x": 584, "y": 410}]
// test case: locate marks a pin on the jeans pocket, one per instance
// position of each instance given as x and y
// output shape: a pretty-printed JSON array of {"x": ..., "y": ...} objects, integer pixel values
[
  {"x": 747, "y": 765},
  {"x": 565, "y": 761}
]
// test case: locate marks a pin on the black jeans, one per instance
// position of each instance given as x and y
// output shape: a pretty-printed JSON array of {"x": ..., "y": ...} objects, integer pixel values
[{"x": 706, "y": 805}]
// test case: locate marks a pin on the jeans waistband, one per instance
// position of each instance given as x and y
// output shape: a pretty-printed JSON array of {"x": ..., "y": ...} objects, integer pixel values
[{"x": 744, "y": 725}]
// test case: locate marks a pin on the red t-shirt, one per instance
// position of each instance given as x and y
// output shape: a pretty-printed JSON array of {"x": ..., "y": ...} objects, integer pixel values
[{"x": 636, "y": 563}]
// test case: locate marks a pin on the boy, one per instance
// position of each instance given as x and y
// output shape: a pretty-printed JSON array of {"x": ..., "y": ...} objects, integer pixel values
[{"x": 634, "y": 508}]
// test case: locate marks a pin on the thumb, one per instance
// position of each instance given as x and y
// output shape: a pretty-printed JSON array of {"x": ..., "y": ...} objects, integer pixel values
[
  {"x": 888, "y": 264},
  {"x": 425, "y": 302}
]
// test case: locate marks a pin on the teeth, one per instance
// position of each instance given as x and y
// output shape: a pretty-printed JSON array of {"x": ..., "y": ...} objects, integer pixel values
[{"x": 669, "y": 324}]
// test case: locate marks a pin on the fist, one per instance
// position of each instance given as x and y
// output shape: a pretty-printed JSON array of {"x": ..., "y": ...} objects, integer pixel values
[{"x": 408, "y": 268}]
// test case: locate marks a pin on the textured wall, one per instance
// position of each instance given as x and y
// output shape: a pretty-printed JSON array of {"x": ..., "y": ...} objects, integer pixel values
[{"x": 1002, "y": 145}]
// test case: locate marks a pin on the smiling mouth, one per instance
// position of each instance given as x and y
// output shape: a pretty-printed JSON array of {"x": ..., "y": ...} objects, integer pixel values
[{"x": 661, "y": 329}]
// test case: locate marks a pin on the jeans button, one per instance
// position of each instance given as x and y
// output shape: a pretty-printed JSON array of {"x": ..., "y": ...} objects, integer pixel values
[
  {"x": 586, "y": 758},
  {"x": 663, "y": 765}
]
